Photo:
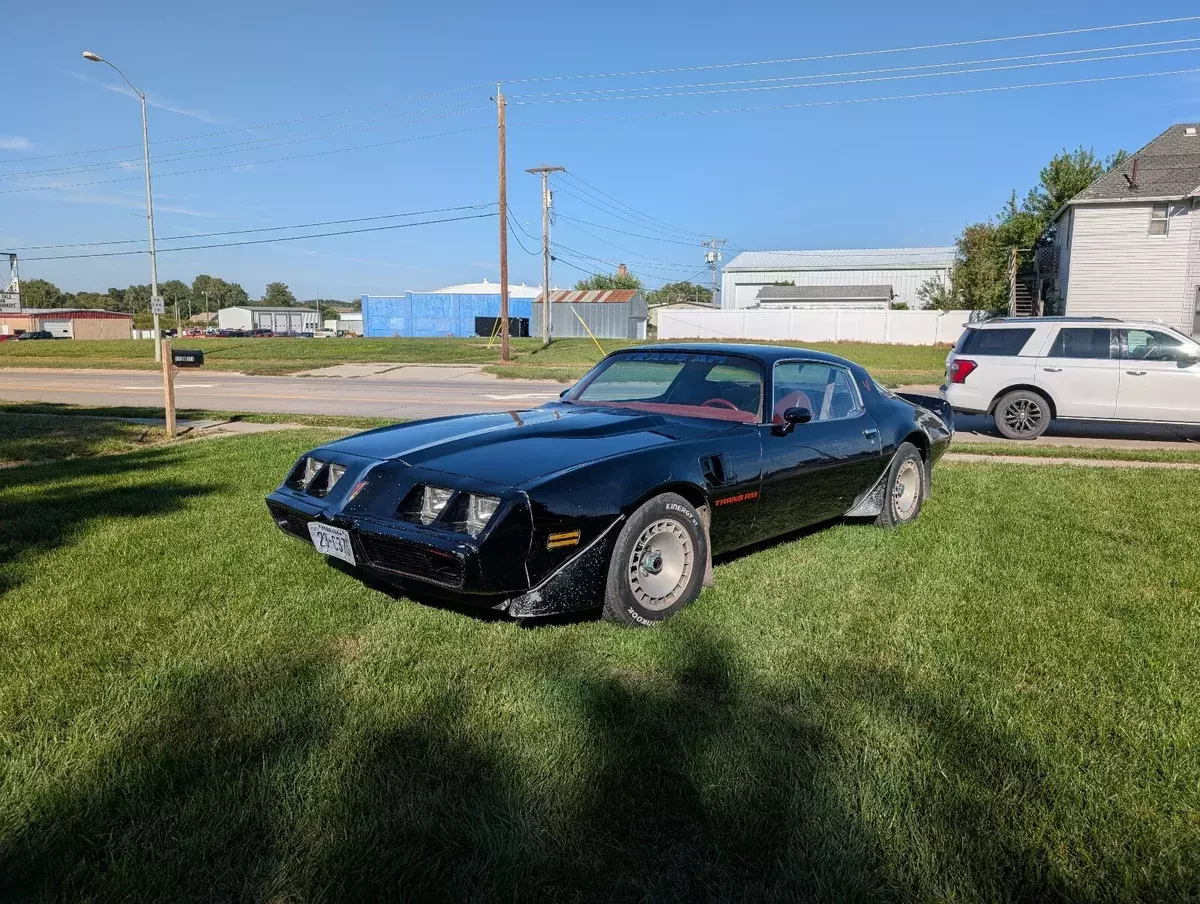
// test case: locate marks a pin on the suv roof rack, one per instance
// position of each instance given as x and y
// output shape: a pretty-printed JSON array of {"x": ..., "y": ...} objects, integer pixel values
[{"x": 1051, "y": 320}]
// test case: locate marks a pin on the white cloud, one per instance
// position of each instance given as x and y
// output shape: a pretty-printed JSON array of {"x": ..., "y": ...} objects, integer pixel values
[
  {"x": 16, "y": 143},
  {"x": 169, "y": 106}
]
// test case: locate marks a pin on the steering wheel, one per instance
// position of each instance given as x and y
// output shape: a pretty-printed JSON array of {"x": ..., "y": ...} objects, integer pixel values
[{"x": 720, "y": 403}]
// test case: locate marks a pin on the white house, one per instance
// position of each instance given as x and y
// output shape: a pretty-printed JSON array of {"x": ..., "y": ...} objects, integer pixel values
[
  {"x": 1126, "y": 246},
  {"x": 838, "y": 279}
]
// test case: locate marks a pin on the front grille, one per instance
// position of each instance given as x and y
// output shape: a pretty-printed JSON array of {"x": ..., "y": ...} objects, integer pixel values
[
  {"x": 412, "y": 559},
  {"x": 292, "y": 522}
]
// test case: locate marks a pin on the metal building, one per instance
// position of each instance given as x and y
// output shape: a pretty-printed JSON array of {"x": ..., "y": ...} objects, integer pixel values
[
  {"x": 447, "y": 312},
  {"x": 609, "y": 314},
  {"x": 278, "y": 320},
  {"x": 69, "y": 323},
  {"x": 865, "y": 272}
]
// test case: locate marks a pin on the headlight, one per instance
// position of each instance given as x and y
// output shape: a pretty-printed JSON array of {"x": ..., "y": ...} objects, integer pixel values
[
  {"x": 335, "y": 474},
  {"x": 433, "y": 502},
  {"x": 311, "y": 467},
  {"x": 479, "y": 512}
]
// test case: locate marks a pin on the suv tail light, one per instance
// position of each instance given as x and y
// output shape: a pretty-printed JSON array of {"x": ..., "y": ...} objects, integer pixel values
[{"x": 960, "y": 369}]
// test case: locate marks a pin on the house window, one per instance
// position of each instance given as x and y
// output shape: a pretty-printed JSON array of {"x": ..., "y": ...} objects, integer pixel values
[{"x": 1159, "y": 218}]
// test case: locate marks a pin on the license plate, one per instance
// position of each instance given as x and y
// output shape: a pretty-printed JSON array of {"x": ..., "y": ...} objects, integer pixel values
[{"x": 331, "y": 541}]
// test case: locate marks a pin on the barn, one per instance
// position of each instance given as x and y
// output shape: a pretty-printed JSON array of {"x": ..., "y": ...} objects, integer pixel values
[
  {"x": 608, "y": 313},
  {"x": 842, "y": 279},
  {"x": 69, "y": 323}
]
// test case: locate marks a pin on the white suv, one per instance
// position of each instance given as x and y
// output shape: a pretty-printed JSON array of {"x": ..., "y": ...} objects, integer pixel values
[{"x": 1027, "y": 370}]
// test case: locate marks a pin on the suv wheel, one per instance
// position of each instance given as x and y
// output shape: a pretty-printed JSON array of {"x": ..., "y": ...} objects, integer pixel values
[{"x": 1022, "y": 414}]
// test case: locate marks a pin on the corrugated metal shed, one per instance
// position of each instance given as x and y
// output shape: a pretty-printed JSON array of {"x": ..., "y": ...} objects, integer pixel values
[
  {"x": 771, "y": 294},
  {"x": 609, "y": 314}
]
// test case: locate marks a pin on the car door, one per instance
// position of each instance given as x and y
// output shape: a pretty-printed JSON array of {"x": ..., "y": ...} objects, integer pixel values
[
  {"x": 1081, "y": 369},
  {"x": 816, "y": 470},
  {"x": 1160, "y": 377}
]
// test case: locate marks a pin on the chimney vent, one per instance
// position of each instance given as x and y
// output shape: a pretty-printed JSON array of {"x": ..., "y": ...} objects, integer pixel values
[
  {"x": 1189, "y": 130},
  {"x": 622, "y": 270}
]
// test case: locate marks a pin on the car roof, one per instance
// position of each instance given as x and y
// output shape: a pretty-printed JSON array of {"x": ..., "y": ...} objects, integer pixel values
[
  {"x": 767, "y": 354},
  {"x": 995, "y": 322}
]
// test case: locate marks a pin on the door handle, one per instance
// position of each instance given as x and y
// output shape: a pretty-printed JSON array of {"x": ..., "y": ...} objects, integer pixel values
[
  {"x": 870, "y": 431},
  {"x": 1052, "y": 370},
  {"x": 1136, "y": 373}
]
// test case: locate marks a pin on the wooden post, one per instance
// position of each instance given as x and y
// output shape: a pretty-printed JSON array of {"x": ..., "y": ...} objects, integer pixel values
[{"x": 168, "y": 363}]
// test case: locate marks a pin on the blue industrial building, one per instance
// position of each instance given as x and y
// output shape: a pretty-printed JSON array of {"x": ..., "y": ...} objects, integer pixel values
[{"x": 449, "y": 312}]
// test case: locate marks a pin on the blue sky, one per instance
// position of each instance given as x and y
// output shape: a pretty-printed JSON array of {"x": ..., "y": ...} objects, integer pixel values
[{"x": 847, "y": 174}]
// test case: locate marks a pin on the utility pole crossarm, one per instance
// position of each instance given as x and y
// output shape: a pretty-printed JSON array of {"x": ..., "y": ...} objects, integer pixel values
[{"x": 544, "y": 172}]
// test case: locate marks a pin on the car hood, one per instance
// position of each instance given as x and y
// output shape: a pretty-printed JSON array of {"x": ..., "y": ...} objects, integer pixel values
[{"x": 513, "y": 448}]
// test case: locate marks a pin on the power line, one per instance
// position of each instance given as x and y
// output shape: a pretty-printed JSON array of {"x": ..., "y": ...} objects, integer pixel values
[
  {"x": 860, "y": 53},
  {"x": 286, "y": 238},
  {"x": 609, "y": 210},
  {"x": 623, "y": 248},
  {"x": 209, "y": 235},
  {"x": 639, "y": 264},
  {"x": 269, "y": 125},
  {"x": 588, "y": 187},
  {"x": 247, "y": 164},
  {"x": 719, "y": 87},
  {"x": 867, "y": 100},
  {"x": 513, "y": 222},
  {"x": 624, "y": 232}
]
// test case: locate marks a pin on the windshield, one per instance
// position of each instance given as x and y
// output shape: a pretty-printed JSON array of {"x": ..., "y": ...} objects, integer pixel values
[{"x": 722, "y": 387}]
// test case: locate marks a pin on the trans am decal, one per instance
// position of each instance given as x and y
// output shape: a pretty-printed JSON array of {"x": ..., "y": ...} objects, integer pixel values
[{"x": 740, "y": 497}]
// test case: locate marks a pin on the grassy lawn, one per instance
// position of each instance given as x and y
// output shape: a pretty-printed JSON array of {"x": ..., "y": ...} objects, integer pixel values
[
  {"x": 1189, "y": 456},
  {"x": 565, "y": 359},
  {"x": 1000, "y": 701},
  {"x": 38, "y": 437}
]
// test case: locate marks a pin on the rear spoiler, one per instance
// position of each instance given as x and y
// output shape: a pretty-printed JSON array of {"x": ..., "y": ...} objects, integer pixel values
[{"x": 937, "y": 405}]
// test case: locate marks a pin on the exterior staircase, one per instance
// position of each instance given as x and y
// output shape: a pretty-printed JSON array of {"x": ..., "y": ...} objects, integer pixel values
[{"x": 1021, "y": 300}]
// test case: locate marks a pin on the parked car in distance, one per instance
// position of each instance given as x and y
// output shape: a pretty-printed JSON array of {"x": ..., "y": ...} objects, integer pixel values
[
  {"x": 618, "y": 495},
  {"x": 1027, "y": 371},
  {"x": 262, "y": 334},
  {"x": 37, "y": 334}
]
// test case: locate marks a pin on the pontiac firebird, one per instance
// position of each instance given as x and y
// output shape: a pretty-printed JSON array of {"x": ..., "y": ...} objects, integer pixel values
[{"x": 618, "y": 495}]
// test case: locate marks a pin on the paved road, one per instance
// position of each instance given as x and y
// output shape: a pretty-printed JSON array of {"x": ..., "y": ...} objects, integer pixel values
[
  {"x": 399, "y": 393},
  {"x": 415, "y": 391}
]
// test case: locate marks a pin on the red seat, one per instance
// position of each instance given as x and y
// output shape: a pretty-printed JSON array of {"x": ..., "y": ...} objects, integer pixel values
[{"x": 795, "y": 399}]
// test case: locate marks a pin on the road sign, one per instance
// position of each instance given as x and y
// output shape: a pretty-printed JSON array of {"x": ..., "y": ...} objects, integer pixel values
[
  {"x": 157, "y": 306},
  {"x": 10, "y": 302}
]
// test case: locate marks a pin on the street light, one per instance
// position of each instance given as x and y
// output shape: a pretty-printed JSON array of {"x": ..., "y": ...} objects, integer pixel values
[{"x": 96, "y": 58}]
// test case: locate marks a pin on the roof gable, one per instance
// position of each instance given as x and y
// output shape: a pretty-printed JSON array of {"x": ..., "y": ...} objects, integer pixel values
[{"x": 1167, "y": 167}]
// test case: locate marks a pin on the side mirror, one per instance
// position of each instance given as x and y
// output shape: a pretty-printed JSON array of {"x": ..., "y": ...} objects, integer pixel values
[
  {"x": 792, "y": 417},
  {"x": 1189, "y": 358},
  {"x": 563, "y": 394}
]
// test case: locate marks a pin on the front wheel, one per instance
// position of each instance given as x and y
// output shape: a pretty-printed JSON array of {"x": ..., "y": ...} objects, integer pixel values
[
  {"x": 657, "y": 564},
  {"x": 1022, "y": 414},
  {"x": 905, "y": 487}
]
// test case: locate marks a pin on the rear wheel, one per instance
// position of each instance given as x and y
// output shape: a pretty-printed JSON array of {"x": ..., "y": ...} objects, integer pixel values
[
  {"x": 657, "y": 564},
  {"x": 1022, "y": 414},
  {"x": 905, "y": 487}
]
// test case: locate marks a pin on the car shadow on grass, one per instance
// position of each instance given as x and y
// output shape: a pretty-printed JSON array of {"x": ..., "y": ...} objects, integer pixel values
[
  {"x": 693, "y": 779},
  {"x": 46, "y": 506}
]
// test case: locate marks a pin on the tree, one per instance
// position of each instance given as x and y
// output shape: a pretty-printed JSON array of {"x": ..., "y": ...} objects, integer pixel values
[
  {"x": 278, "y": 295},
  {"x": 40, "y": 293},
  {"x": 673, "y": 293},
  {"x": 175, "y": 290},
  {"x": 622, "y": 279}
]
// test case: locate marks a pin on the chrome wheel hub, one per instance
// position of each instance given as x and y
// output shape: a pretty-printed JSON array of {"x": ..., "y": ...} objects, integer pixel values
[
  {"x": 1023, "y": 416},
  {"x": 906, "y": 491},
  {"x": 661, "y": 564}
]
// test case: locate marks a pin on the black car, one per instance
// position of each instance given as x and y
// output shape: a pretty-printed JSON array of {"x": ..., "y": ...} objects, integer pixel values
[
  {"x": 618, "y": 495},
  {"x": 36, "y": 334}
]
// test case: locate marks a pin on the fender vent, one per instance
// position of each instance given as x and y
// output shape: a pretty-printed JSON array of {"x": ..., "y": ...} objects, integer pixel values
[{"x": 717, "y": 469}]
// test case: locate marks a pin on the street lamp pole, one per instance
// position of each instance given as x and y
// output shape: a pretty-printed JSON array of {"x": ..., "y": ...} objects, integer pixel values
[{"x": 96, "y": 58}]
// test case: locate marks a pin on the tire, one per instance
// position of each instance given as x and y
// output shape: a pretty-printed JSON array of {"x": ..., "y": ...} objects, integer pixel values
[
  {"x": 905, "y": 488},
  {"x": 1022, "y": 414},
  {"x": 657, "y": 564}
]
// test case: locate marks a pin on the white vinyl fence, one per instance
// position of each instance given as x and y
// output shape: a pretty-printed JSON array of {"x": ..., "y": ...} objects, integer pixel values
[{"x": 900, "y": 327}]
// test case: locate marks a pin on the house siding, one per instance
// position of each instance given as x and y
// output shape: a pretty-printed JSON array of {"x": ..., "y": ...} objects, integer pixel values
[
  {"x": 1115, "y": 268},
  {"x": 740, "y": 287}
]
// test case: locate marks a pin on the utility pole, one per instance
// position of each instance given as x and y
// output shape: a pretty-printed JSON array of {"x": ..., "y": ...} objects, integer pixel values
[
  {"x": 544, "y": 172},
  {"x": 504, "y": 355},
  {"x": 711, "y": 257}
]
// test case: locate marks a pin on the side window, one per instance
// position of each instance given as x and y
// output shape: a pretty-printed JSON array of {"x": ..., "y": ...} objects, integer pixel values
[
  {"x": 1160, "y": 219},
  {"x": 994, "y": 342},
  {"x": 1073, "y": 342},
  {"x": 1151, "y": 345},
  {"x": 827, "y": 390}
]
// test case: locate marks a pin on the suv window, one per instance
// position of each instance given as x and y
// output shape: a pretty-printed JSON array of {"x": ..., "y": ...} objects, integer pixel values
[
  {"x": 1073, "y": 342},
  {"x": 826, "y": 390},
  {"x": 993, "y": 342},
  {"x": 1151, "y": 345}
]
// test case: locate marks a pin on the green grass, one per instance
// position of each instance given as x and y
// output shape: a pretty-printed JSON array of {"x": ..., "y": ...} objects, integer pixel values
[
  {"x": 36, "y": 437},
  {"x": 1082, "y": 452},
  {"x": 565, "y": 359},
  {"x": 999, "y": 702}
]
